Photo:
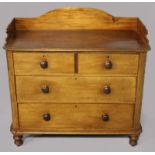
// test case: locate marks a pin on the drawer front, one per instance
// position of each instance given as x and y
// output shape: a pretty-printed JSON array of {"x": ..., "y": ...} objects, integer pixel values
[
  {"x": 43, "y": 63},
  {"x": 75, "y": 116},
  {"x": 108, "y": 63},
  {"x": 76, "y": 89}
]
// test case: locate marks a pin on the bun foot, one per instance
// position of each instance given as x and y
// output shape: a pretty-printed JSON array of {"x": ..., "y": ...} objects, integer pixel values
[
  {"x": 18, "y": 140},
  {"x": 133, "y": 140}
]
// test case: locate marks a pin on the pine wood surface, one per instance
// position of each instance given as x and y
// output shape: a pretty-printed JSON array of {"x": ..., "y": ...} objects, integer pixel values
[
  {"x": 76, "y": 89},
  {"x": 121, "y": 63},
  {"x": 76, "y": 40},
  {"x": 29, "y": 63},
  {"x": 76, "y": 43},
  {"x": 79, "y": 116}
]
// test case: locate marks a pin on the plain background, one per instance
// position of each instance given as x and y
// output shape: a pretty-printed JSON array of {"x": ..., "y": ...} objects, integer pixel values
[{"x": 42, "y": 143}]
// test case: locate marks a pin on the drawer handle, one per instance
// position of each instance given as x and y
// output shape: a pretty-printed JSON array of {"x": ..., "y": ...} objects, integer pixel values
[
  {"x": 108, "y": 64},
  {"x": 106, "y": 89},
  {"x": 45, "y": 89},
  {"x": 43, "y": 64},
  {"x": 105, "y": 117},
  {"x": 46, "y": 117}
]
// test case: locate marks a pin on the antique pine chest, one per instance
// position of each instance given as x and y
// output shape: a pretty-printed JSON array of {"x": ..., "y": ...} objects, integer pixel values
[{"x": 76, "y": 71}]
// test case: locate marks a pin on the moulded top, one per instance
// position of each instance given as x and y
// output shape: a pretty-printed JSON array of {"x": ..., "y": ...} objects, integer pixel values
[{"x": 79, "y": 40}]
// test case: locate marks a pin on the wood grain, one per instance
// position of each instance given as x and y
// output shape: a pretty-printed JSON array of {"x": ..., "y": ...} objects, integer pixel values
[
  {"x": 76, "y": 89},
  {"x": 69, "y": 19},
  {"x": 75, "y": 43},
  {"x": 75, "y": 18},
  {"x": 75, "y": 116},
  {"x": 77, "y": 40},
  {"x": 121, "y": 63},
  {"x": 139, "y": 91},
  {"x": 29, "y": 63},
  {"x": 12, "y": 84},
  {"x": 76, "y": 132}
]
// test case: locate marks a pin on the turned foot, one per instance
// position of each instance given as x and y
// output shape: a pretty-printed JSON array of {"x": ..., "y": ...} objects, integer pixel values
[
  {"x": 18, "y": 140},
  {"x": 133, "y": 140}
]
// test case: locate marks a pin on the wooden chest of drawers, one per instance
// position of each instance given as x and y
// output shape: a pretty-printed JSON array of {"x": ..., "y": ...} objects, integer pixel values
[{"x": 76, "y": 71}]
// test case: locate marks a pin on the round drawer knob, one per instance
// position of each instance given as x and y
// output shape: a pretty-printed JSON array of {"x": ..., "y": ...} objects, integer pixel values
[
  {"x": 105, "y": 117},
  {"x": 106, "y": 89},
  {"x": 43, "y": 64},
  {"x": 45, "y": 89},
  {"x": 46, "y": 117},
  {"x": 108, "y": 64}
]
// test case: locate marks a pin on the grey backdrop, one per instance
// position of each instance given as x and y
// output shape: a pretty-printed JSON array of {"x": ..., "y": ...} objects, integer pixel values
[{"x": 147, "y": 139}]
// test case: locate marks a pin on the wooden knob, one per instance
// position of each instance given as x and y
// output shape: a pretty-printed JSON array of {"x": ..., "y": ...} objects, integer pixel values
[
  {"x": 106, "y": 89},
  {"x": 46, "y": 117},
  {"x": 105, "y": 117},
  {"x": 43, "y": 64},
  {"x": 45, "y": 89},
  {"x": 108, "y": 64}
]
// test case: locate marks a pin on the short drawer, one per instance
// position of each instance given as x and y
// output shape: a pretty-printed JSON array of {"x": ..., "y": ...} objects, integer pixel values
[
  {"x": 75, "y": 116},
  {"x": 76, "y": 89},
  {"x": 108, "y": 63},
  {"x": 35, "y": 63}
]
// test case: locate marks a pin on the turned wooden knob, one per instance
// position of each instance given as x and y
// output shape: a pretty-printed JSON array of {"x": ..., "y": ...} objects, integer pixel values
[
  {"x": 106, "y": 89},
  {"x": 108, "y": 64},
  {"x": 105, "y": 117},
  {"x": 43, "y": 64},
  {"x": 45, "y": 89},
  {"x": 46, "y": 117}
]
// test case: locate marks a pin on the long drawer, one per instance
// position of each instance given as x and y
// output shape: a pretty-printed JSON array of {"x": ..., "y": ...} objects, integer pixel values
[
  {"x": 108, "y": 63},
  {"x": 75, "y": 89},
  {"x": 75, "y": 116},
  {"x": 43, "y": 63}
]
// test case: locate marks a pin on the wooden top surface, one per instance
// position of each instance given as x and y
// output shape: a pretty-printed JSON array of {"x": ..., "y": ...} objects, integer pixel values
[{"x": 76, "y": 40}]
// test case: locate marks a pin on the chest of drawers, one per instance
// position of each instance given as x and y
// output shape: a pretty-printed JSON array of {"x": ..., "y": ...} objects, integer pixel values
[{"x": 76, "y": 71}]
